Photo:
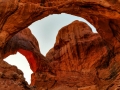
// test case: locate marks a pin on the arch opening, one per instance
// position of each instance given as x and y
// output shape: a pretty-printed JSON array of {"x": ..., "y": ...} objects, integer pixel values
[
  {"x": 20, "y": 61},
  {"x": 46, "y": 29}
]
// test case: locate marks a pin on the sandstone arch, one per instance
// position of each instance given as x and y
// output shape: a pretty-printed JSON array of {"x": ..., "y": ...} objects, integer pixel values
[
  {"x": 96, "y": 12},
  {"x": 103, "y": 14},
  {"x": 16, "y": 15},
  {"x": 25, "y": 43}
]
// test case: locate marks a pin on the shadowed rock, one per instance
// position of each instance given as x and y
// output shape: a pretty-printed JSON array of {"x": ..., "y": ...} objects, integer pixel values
[
  {"x": 25, "y": 43},
  {"x": 11, "y": 78}
]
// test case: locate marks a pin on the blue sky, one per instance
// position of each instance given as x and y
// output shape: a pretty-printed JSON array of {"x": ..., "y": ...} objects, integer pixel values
[{"x": 45, "y": 31}]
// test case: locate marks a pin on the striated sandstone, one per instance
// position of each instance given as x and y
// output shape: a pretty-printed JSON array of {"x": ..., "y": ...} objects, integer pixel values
[
  {"x": 25, "y": 43},
  {"x": 12, "y": 78},
  {"x": 24, "y": 12},
  {"x": 74, "y": 59},
  {"x": 79, "y": 59},
  {"x": 103, "y": 14},
  {"x": 93, "y": 87}
]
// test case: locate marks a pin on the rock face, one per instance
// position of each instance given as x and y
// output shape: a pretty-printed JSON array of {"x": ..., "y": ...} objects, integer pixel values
[
  {"x": 21, "y": 13},
  {"x": 12, "y": 78},
  {"x": 75, "y": 59},
  {"x": 79, "y": 60},
  {"x": 25, "y": 43}
]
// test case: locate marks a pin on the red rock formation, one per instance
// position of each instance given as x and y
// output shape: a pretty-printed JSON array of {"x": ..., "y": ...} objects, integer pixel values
[
  {"x": 73, "y": 57},
  {"x": 30, "y": 1},
  {"x": 79, "y": 60},
  {"x": 77, "y": 56},
  {"x": 19, "y": 16},
  {"x": 12, "y": 78},
  {"x": 25, "y": 43}
]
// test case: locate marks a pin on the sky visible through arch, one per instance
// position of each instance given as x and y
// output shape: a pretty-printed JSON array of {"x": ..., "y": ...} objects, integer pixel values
[{"x": 45, "y": 30}]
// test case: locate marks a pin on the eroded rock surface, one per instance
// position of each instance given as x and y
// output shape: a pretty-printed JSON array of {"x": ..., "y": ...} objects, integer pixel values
[
  {"x": 80, "y": 59},
  {"x": 77, "y": 55},
  {"x": 12, "y": 78},
  {"x": 21, "y": 13},
  {"x": 25, "y": 43}
]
